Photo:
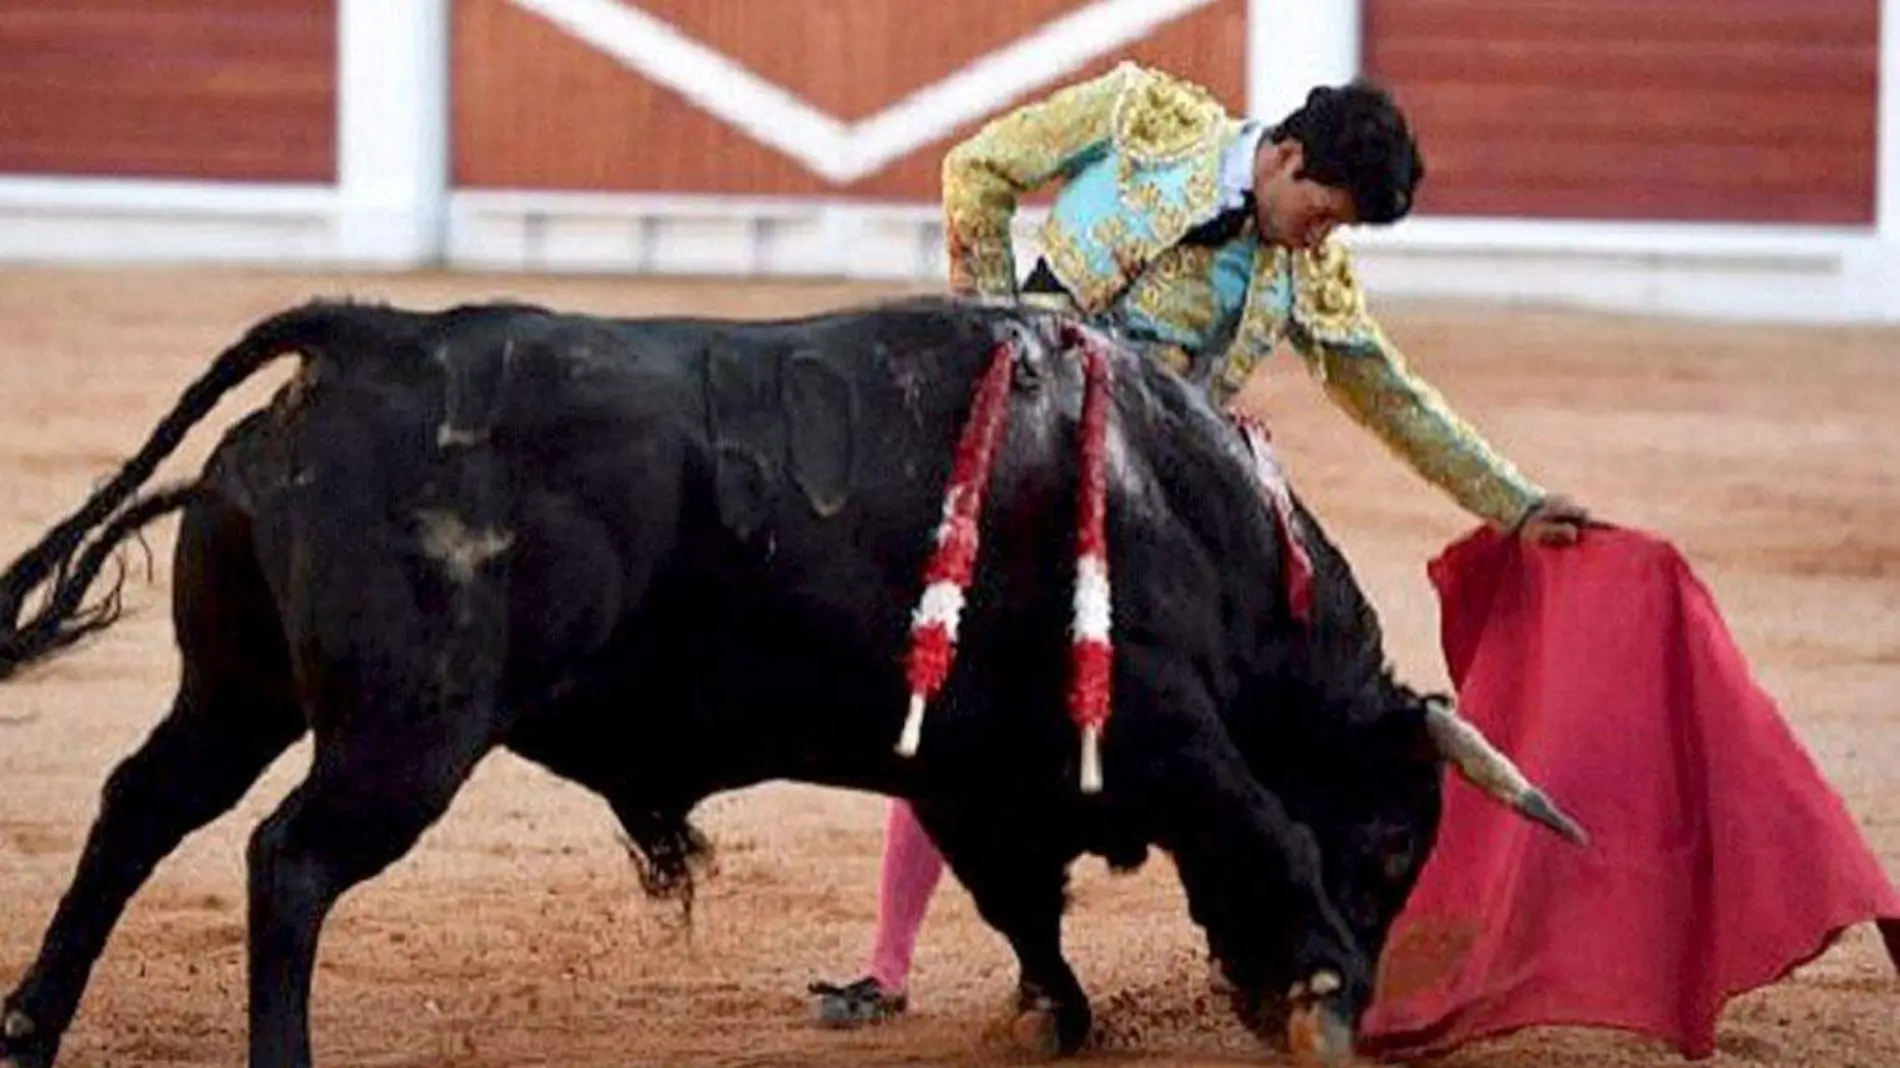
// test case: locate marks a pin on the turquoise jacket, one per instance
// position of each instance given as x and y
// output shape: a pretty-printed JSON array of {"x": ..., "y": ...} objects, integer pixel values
[{"x": 1138, "y": 154}]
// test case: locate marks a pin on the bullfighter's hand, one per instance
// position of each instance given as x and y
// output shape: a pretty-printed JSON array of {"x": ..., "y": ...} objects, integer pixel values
[{"x": 1556, "y": 520}]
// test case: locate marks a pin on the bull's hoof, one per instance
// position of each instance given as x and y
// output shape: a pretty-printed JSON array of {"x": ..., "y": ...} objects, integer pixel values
[
  {"x": 1034, "y": 1032},
  {"x": 1315, "y": 1035},
  {"x": 1315, "y": 1032},
  {"x": 22, "y": 1043},
  {"x": 1045, "y": 1028}
]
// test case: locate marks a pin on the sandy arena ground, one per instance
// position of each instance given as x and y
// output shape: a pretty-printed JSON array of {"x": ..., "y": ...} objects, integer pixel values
[{"x": 516, "y": 931}]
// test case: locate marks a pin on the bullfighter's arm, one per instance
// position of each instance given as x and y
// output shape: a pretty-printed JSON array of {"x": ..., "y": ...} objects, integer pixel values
[
  {"x": 1014, "y": 154},
  {"x": 1365, "y": 374}
]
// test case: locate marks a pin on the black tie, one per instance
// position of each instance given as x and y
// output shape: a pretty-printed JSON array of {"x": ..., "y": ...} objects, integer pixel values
[
  {"x": 1216, "y": 231},
  {"x": 1222, "y": 228}
]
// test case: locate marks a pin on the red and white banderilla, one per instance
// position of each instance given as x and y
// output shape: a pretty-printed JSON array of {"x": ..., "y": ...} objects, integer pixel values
[{"x": 947, "y": 576}]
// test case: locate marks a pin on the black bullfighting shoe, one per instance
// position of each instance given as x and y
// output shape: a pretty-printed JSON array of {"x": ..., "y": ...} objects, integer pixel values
[{"x": 856, "y": 1004}]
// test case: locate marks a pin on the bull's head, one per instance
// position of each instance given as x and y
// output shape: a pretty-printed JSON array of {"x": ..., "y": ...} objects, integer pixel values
[
  {"x": 1385, "y": 828},
  {"x": 1370, "y": 793}
]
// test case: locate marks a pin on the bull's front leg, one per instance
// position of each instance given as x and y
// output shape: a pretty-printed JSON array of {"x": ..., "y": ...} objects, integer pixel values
[
  {"x": 1252, "y": 878},
  {"x": 1020, "y": 892},
  {"x": 1251, "y": 873}
]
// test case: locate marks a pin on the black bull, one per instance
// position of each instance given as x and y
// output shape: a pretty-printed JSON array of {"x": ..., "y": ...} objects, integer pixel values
[{"x": 669, "y": 558}]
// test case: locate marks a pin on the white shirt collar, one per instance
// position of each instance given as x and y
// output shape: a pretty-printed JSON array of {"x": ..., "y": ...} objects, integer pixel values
[{"x": 1236, "y": 166}]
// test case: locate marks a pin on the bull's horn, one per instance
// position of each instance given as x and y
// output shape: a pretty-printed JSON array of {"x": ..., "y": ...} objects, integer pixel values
[{"x": 1485, "y": 767}]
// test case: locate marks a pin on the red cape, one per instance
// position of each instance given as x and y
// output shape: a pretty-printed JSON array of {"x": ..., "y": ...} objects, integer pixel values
[{"x": 1720, "y": 856}]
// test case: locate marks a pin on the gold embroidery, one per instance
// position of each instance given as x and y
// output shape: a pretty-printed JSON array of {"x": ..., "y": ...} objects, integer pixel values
[
  {"x": 1162, "y": 119},
  {"x": 1167, "y": 218},
  {"x": 1367, "y": 377},
  {"x": 1169, "y": 222},
  {"x": 1170, "y": 218},
  {"x": 1069, "y": 263},
  {"x": 1261, "y": 322},
  {"x": 1410, "y": 417},
  {"x": 1110, "y": 230},
  {"x": 1173, "y": 357},
  {"x": 1327, "y": 302},
  {"x": 1111, "y": 233},
  {"x": 1177, "y": 288},
  {"x": 1153, "y": 120},
  {"x": 1203, "y": 186},
  {"x": 1144, "y": 197},
  {"x": 1013, "y": 154},
  {"x": 1237, "y": 364}
]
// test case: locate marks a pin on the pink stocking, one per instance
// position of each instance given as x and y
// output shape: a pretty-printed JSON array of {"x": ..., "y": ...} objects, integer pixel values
[{"x": 911, "y": 869}]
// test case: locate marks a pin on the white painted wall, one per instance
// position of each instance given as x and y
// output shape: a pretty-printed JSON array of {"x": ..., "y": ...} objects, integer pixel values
[
  {"x": 1293, "y": 45},
  {"x": 392, "y": 208},
  {"x": 392, "y": 131},
  {"x": 388, "y": 208},
  {"x": 832, "y": 148}
]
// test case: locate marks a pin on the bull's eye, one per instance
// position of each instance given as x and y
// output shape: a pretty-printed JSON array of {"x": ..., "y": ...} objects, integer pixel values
[
  {"x": 1398, "y": 865},
  {"x": 1396, "y": 856}
]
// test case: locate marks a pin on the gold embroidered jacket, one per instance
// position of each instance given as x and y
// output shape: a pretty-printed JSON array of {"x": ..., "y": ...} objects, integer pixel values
[{"x": 1138, "y": 154}]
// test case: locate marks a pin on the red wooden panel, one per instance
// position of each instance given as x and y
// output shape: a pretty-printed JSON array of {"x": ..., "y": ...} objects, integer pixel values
[
  {"x": 537, "y": 109},
  {"x": 211, "y": 89},
  {"x": 852, "y": 59},
  {"x": 1695, "y": 110},
  {"x": 1837, "y": 22}
]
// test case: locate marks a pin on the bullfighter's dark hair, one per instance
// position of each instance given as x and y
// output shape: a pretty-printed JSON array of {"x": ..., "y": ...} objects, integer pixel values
[{"x": 1355, "y": 138}]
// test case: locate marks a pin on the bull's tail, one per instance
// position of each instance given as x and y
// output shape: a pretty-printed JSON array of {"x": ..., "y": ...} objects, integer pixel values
[{"x": 66, "y": 562}]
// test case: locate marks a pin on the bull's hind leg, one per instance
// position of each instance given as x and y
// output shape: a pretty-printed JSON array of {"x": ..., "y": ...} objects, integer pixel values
[
  {"x": 234, "y": 714},
  {"x": 401, "y": 657},
  {"x": 369, "y": 797}
]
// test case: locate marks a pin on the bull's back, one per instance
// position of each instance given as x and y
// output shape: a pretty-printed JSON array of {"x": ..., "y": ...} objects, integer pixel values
[
  {"x": 762, "y": 495},
  {"x": 795, "y": 467}
]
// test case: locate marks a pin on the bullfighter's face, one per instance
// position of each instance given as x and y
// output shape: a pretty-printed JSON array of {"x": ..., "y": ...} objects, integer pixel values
[{"x": 1290, "y": 210}]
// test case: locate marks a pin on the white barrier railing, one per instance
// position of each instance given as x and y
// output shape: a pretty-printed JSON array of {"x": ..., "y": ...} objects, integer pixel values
[{"x": 392, "y": 208}]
